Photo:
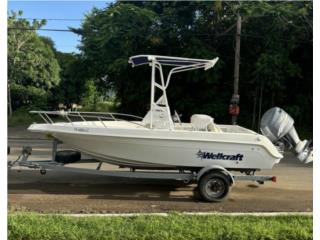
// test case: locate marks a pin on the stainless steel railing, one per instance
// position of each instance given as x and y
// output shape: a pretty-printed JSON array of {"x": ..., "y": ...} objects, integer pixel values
[{"x": 88, "y": 116}]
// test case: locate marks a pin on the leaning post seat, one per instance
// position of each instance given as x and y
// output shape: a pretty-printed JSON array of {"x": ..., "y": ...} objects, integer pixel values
[{"x": 202, "y": 122}]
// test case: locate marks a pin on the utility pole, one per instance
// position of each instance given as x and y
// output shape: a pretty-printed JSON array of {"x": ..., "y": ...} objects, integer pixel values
[
  {"x": 9, "y": 100},
  {"x": 234, "y": 104}
]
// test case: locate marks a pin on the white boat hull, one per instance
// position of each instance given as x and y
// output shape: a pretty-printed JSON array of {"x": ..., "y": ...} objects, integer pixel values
[{"x": 145, "y": 148}]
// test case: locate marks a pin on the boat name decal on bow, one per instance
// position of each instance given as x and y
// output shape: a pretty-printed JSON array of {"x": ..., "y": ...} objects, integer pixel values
[
  {"x": 219, "y": 156},
  {"x": 81, "y": 129}
]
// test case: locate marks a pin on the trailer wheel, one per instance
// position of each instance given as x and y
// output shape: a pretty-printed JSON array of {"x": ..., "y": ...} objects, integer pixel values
[
  {"x": 67, "y": 156},
  {"x": 214, "y": 186},
  {"x": 43, "y": 171}
]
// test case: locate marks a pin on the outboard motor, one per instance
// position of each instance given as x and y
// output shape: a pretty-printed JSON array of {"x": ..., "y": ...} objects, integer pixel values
[{"x": 277, "y": 125}]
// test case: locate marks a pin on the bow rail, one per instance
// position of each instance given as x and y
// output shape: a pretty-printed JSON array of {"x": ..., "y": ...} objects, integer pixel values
[{"x": 48, "y": 118}]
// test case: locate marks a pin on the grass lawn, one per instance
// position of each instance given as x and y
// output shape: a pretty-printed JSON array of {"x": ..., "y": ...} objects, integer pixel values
[{"x": 175, "y": 226}]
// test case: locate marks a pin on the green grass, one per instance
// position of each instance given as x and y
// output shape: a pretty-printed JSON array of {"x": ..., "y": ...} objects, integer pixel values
[{"x": 175, "y": 226}]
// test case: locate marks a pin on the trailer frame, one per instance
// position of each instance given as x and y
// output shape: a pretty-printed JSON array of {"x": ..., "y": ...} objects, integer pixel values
[{"x": 186, "y": 176}]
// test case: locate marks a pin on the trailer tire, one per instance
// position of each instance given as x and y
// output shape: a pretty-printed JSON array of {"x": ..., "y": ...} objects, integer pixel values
[
  {"x": 214, "y": 186},
  {"x": 67, "y": 156}
]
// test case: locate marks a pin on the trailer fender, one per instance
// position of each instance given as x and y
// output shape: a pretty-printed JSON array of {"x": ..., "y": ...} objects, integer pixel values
[{"x": 217, "y": 168}]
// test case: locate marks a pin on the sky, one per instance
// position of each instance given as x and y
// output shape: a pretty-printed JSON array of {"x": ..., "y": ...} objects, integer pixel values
[{"x": 72, "y": 10}]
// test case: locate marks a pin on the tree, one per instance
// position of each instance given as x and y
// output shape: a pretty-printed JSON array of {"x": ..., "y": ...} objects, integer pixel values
[
  {"x": 272, "y": 34},
  {"x": 32, "y": 66},
  {"x": 276, "y": 52},
  {"x": 73, "y": 77}
]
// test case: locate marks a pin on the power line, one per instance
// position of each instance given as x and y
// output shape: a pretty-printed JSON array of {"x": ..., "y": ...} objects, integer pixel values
[
  {"x": 54, "y": 19},
  {"x": 40, "y": 29}
]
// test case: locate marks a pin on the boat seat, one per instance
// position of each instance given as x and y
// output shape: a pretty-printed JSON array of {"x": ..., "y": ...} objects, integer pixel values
[
  {"x": 201, "y": 122},
  {"x": 214, "y": 128}
]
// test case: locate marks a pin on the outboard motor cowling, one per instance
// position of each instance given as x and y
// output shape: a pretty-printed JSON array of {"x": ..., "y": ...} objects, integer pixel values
[{"x": 278, "y": 126}]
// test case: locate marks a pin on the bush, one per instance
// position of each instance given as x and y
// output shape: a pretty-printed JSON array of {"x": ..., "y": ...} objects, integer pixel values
[
  {"x": 22, "y": 117},
  {"x": 90, "y": 97},
  {"x": 28, "y": 96},
  {"x": 106, "y": 106}
]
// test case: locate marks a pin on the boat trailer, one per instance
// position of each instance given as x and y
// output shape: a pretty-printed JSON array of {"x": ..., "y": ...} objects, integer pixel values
[{"x": 186, "y": 176}]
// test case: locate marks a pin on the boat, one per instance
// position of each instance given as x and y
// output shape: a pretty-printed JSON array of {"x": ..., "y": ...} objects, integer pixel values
[
  {"x": 161, "y": 141},
  {"x": 200, "y": 150}
]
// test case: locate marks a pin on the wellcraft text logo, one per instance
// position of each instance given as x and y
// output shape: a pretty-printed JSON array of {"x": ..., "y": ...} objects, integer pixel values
[{"x": 219, "y": 156}]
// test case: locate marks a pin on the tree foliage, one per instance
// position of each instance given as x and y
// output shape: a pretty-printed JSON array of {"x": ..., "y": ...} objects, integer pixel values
[
  {"x": 275, "y": 64},
  {"x": 73, "y": 79},
  {"x": 276, "y": 54},
  {"x": 32, "y": 66}
]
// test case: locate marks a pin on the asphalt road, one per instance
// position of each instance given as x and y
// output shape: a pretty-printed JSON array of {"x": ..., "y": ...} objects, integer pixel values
[{"x": 62, "y": 192}]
